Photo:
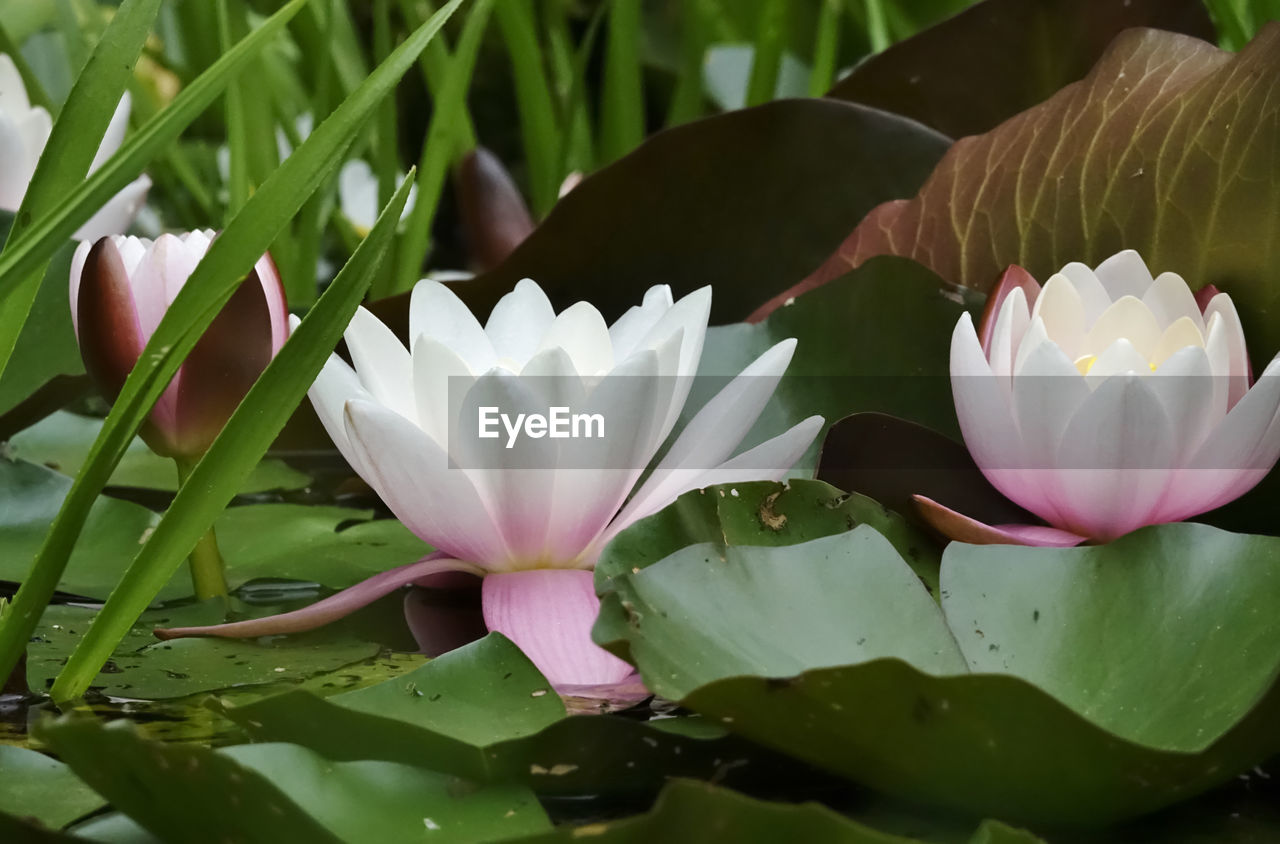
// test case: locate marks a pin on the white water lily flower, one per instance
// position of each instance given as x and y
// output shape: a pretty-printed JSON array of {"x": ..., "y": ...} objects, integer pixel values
[
  {"x": 534, "y": 529},
  {"x": 24, "y": 131},
  {"x": 1109, "y": 400}
]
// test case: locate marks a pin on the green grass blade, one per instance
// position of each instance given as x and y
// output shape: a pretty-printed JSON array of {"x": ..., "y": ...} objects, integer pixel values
[
  {"x": 228, "y": 261},
  {"x": 622, "y": 126},
  {"x": 877, "y": 26},
  {"x": 435, "y": 63},
  {"x": 438, "y": 150},
  {"x": 767, "y": 58},
  {"x": 533, "y": 96},
  {"x": 237, "y": 124},
  {"x": 825, "y": 48},
  {"x": 48, "y": 233},
  {"x": 71, "y": 148},
  {"x": 233, "y": 455},
  {"x": 687, "y": 101}
]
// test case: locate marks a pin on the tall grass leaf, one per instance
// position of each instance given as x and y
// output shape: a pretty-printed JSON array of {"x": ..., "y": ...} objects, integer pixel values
[
  {"x": 825, "y": 48},
  {"x": 538, "y": 124},
  {"x": 233, "y": 455},
  {"x": 622, "y": 125},
  {"x": 438, "y": 149},
  {"x": 766, "y": 60}
]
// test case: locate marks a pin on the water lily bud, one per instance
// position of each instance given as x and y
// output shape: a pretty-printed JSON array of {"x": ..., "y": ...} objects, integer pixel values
[
  {"x": 120, "y": 289},
  {"x": 494, "y": 215},
  {"x": 1108, "y": 400},
  {"x": 24, "y": 131}
]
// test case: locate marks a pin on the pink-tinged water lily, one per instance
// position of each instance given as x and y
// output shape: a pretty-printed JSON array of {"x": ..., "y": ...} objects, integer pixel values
[
  {"x": 120, "y": 289},
  {"x": 532, "y": 523},
  {"x": 24, "y": 131},
  {"x": 1106, "y": 401}
]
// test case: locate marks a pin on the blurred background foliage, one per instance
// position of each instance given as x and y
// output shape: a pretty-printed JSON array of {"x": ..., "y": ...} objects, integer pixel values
[{"x": 554, "y": 89}]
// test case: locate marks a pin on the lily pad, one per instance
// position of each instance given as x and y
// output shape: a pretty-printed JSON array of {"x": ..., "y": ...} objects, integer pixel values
[
  {"x": 62, "y": 442},
  {"x": 484, "y": 712},
  {"x": 1158, "y": 149},
  {"x": 975, "y": 70},
  {"x": 694, "y": 811},
  {"x": 34, "y": 786},
  {"x": 30, "y": 496},
  {"x": 1093, "y": 684},
  {"x": 333, "y": 546},
  {"x": 272, "y": 793},
  {"x": 757, "y": 198},
  {"x": 761, "y": 513},
  {"x": 147, "y": 669}
]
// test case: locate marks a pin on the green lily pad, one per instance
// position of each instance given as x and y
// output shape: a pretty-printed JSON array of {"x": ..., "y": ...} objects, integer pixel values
[
  {"x": 33, "y": 786},
  {"x": 694, "y": 811},
  {"x": 485, "y": 713},
  {"x": 973, "y": 71},
  {"x": 147, "y": 669},
  {"x": 876, "y": 339},
  {"x": 1071, "y": 686},
  {"x": 272, "y": 793},
  {"x": 336, "y": 547},
  {"x": 62, "y": 442},
  {"x": 30, "y": 496},
  {"x": 333, "y": 546},
  {"x": 765, "y": 514}
]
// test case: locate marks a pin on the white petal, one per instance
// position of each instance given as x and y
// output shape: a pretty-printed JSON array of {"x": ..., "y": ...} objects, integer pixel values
[
  {"x": 687, "y": 317},
  {"x": 1170, "y": 299},
  {"x": 440, "y": 381},
  {"x": 581, "y": 331},
  {"x": 1224, "y": 309},
  {"x": 16, "y": 173},
  {"x": 337, "y": 384},
  {"x": 382, "y": 362},
  {"x": 1182, "y": 333},
  {"x": 1010, "y": 330},
  {"x": 1124, "y": 274},
  {"x": 627, "y": 332},
  {"x": 772, "y": 460},
  {"x": 1063, "y": 314},
  {"x": 1093, "y": 295},
  {"x": 1128, "y": 319},
  {"x": 519, "y": 321},
  {"x": 413, "y": 476},
  {"x": 717, "y": 429},
  {"x": 1237, "y": 454},
  {"x": 1115, "y": 460},
  {"x": 115, "y": 133},
  {"x": 1184, "y": 385},
  {"x": 436, "y": 311},
  {"x": 117, "y": 216},
  {"x": 1120, "y": 358},
  {"x": 13, "y": 91},
  {"x": 1047, "y": 392},
  {"x": 358, "y": 194}
]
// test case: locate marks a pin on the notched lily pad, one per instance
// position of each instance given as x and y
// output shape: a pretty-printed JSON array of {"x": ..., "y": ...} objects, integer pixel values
[
  {"x": 1068, "y": 686},
  {"x": 146, "y": 669}
]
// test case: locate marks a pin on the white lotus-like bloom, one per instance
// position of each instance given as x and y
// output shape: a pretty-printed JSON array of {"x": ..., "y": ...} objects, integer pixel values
[
  {"x": 1108, "y": 400},
  {"x": 533, "y": 520},
  {"x": 24, "y": 131}
]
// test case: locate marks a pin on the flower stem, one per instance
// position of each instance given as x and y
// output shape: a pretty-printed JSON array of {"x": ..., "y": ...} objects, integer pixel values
[{"x": 208, "y": 572}]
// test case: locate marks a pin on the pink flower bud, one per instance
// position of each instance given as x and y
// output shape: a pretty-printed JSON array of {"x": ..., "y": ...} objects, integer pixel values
[{"x": 120, "y": 289}]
